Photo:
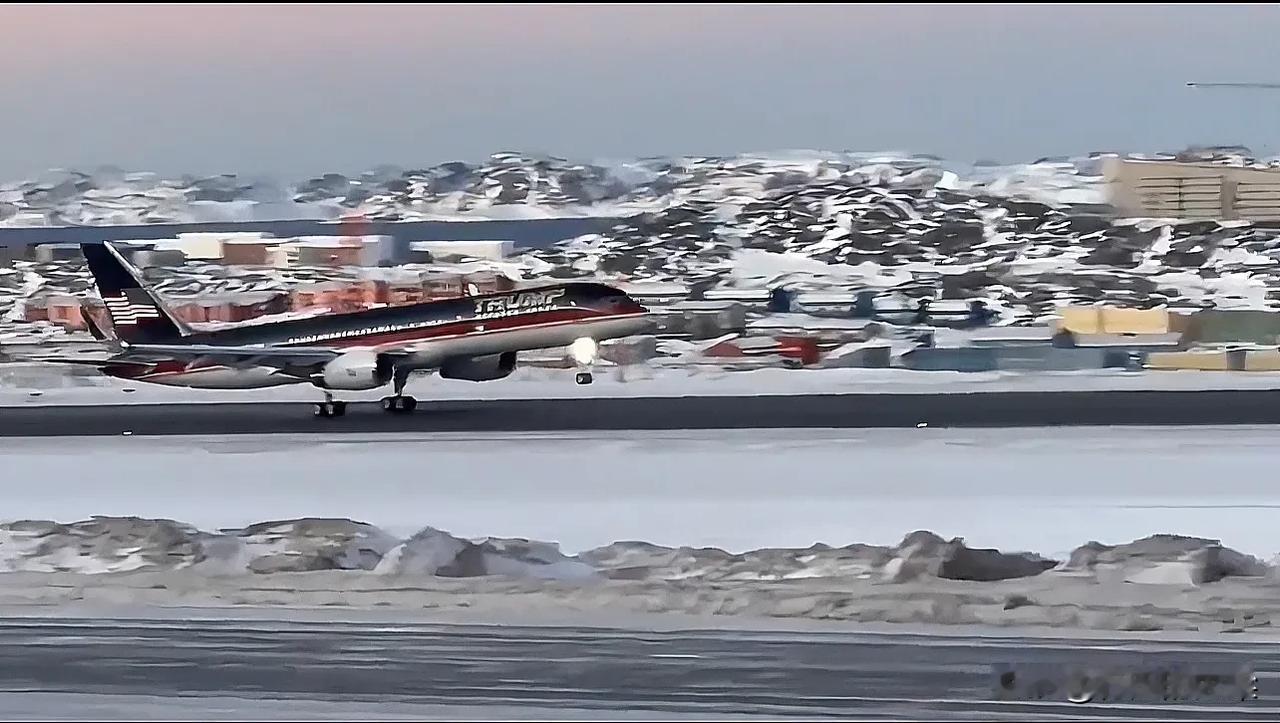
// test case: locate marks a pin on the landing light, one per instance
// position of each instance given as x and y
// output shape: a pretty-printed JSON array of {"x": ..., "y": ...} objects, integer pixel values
[{"x": 583, "y": 350}]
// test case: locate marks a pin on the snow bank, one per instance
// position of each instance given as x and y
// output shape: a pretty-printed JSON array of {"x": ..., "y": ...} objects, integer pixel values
[
  {"x": 1160, "y": 582},
  {"x": 311, "y": 544},
  {"x": 104, "y": 545},
  {"x": 126, "y": 544},
  {"x": 99, "y": 545}
]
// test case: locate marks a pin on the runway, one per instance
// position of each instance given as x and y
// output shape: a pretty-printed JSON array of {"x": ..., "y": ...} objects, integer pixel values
[
  {"x": 976, "y": 409},
  {"x": 51, "y": 668}
]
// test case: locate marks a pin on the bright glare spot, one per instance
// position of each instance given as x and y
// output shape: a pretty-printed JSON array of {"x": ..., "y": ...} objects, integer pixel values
[{"x": 583, "y": 350}]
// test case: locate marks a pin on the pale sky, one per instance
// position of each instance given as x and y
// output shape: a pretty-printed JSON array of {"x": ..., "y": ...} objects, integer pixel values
[{"x": 301, "y": 89}]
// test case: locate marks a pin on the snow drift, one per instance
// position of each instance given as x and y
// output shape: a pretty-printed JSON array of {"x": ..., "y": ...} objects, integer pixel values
[{"x": 103, "y": 545}]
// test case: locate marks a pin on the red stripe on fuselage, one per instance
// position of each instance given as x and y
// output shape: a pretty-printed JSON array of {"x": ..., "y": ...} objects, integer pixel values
[{"x": 461, "y": 328}]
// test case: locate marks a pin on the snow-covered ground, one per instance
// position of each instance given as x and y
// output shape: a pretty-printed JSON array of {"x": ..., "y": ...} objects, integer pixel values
[
  {"x": 46, "y": 386},
  {"x": 1010, "y": 489}
]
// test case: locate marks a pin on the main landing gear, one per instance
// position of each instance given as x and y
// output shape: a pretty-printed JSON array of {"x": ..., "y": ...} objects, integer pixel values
[
  {"x": 329, "y": 408},
  {"x": 398, "y": 402},
  {"x": 584, "y": 351}
]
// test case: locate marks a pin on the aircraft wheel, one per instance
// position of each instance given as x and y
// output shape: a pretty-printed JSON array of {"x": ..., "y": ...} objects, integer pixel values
[
  {"x": 399, "y": 404},
  {"x": 328, "y": 410}
]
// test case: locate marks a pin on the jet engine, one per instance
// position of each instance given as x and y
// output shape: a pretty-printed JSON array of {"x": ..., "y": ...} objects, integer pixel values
[
  {"x": 355, "y": 371},
  {"x": 479, "y": 368}
]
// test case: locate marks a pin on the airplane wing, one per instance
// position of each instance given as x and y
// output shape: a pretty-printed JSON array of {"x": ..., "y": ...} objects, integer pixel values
[
  {"x": 287, "y": 355},
  {"x": 149, "y": 355},
  {"x": 246, "y": 356}
]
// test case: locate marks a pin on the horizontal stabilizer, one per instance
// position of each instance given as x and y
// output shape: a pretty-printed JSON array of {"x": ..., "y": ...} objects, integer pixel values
[{"x": 79, "y": 361}]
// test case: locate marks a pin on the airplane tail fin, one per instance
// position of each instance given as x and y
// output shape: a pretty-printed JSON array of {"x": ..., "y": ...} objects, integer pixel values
[{"x": 136, "y": 314}]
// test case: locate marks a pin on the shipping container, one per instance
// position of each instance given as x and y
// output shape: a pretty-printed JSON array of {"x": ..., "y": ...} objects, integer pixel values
[
  {"x": 1091, "y": 320},
  {"x": 1189, "y": 361},
  {"x": 1224, "y": 326}
]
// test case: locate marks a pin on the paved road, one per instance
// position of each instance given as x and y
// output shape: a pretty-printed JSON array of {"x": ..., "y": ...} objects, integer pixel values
[
  {"x": 978, "y": 409},
  {"x": 53, "y": 667}
]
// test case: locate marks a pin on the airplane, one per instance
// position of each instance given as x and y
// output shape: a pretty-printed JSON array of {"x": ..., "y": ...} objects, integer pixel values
[{"x": 474, "y": 338}]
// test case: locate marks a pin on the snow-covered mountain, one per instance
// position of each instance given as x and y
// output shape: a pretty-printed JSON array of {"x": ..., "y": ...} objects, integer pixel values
[
  {"x": 515, "y": 185},
  {"x": 504, "y": 186}
]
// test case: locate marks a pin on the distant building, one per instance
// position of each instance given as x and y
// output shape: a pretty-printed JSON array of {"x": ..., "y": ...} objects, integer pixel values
[
  {"x": 49, "y": 253},
  {"x": 247, "y": 252},
  {"x": 207, "y": 245},
  {"x": 230, "y": 307},
  {"x": 486, "y": 282},
  {"x": 341, "y": 250},
  {"x": 443, "y": 285},
  {"x": 318, "y": 254},
  {"x": 492, "y": 250},
  {"x": 338, "y": 297},
  {"x": 1165, "y": 189},
  {"x": 403, "y": 294},
  {"x": 158, "y": 257},
  {"x": 64, "y": 310}
]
